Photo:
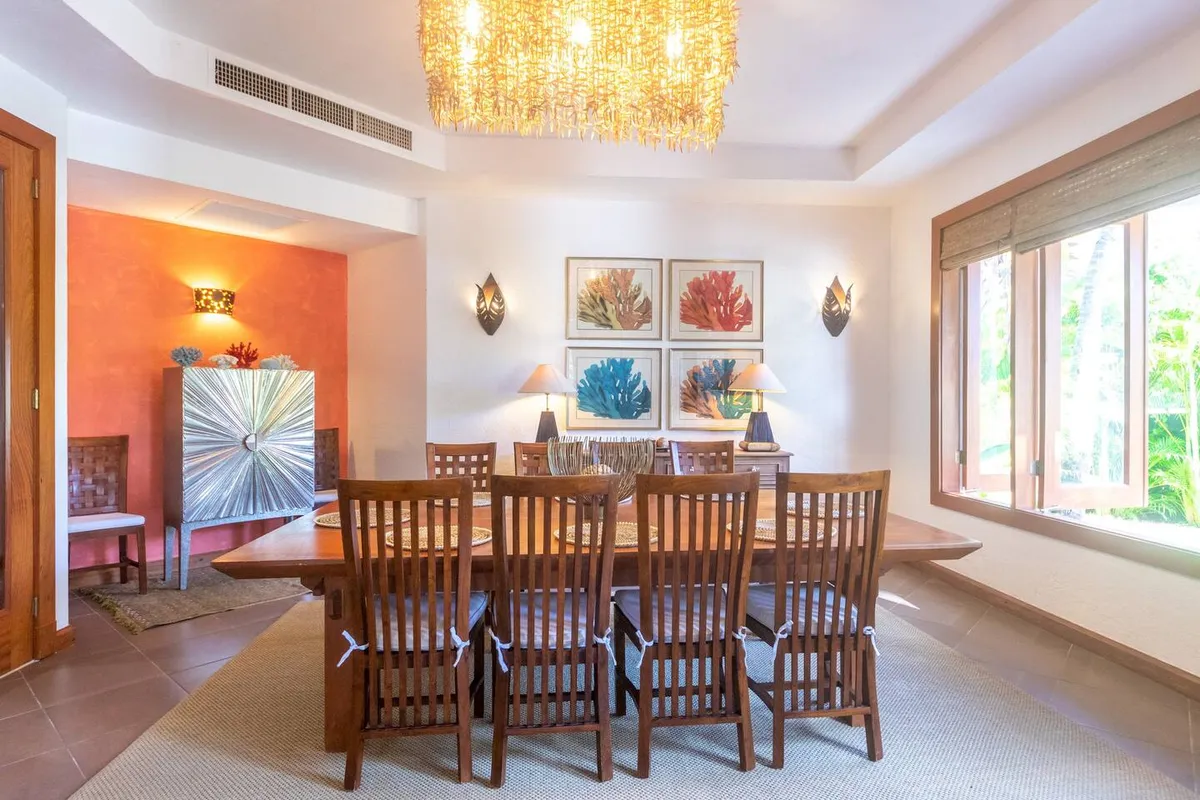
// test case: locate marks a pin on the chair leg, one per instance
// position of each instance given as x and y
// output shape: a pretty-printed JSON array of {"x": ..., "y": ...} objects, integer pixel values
[
  {"x": 463, "y": 676},
  {"x": 479, "y": 657},
  {"x": 645, "y": 692},
  {"x": 354, "y": 738},
  {"x": 777, "y": 707},
  {"x": 143, "y": 578},
  {"x": 619, "y": 648},
  {"x": 604, "y": 762},
  {"x": 500, "y": 703},
  {"x": 873, "y": 729},
  {"x": 123, "y": 556},
  {"x": 745, "y": 729}
]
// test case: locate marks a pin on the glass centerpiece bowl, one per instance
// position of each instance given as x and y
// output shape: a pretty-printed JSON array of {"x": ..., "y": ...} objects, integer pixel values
[{"x": 626, "y": 458}]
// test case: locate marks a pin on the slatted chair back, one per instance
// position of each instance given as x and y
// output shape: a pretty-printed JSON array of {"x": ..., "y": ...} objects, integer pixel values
[
  {"x": 692, "y": 583},
  {"x": 839, "y": 523},
  {"x": 326, "y": 458},
  {"x": 531, "y": 458},
  {"x": 97, "y": 467},
  {"x": 403, "y": 598},
  {"x": 701, "y": 458},
  {"x": 553, "y": 556},
  {"x": 475, "y": 461}
]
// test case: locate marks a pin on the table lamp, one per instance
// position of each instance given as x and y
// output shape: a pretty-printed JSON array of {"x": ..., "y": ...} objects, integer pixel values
[
  {"x": 757, "y": 378},
  {"x": 547, "y": 380}
]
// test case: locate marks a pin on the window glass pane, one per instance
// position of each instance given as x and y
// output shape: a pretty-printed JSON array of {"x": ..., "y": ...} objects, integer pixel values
[
  {"x": 1091, "y": 436},
  {"x": 995, "y": 375}
]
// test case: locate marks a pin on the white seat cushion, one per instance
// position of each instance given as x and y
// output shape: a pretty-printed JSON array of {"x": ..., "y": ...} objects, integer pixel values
[
  {"x": 103, "y": 522},
  {"x": 323, "y": 496}
]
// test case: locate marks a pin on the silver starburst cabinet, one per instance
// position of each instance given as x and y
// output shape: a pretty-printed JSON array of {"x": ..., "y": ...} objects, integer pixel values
[{"x": 237, "y": 446}]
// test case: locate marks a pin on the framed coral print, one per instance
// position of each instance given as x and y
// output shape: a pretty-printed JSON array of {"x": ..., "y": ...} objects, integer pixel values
[
  {"x": 717, "y": 300},
  {"x": 614, "y": 298},
  {"x": 698, "y": 383},
  {"x": 614, "y": 388}
]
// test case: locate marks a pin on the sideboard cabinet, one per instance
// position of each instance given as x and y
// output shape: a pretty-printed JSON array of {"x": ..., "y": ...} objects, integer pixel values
[
  {"x": 767, "y": 465},
  {"x": 237, "y": 446}
]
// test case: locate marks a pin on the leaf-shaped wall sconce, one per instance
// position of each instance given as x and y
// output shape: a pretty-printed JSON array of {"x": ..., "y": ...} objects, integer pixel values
[
  {"x": 835, "y": 312},
  {"x": 489, "y": 305}
]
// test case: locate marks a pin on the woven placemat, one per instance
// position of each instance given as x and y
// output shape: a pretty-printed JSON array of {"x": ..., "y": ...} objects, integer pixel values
[
  {"x": 333, "y": 519},
  {"x": 837, "y": 511},
  {"x": 478, "y": 536},
  {"x": 765, "y": 530},
  {"x": 627, "y": 534}
]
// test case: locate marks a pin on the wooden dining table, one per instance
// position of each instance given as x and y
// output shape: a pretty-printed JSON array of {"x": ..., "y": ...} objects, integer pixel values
[{"x": 303, "y": 550}]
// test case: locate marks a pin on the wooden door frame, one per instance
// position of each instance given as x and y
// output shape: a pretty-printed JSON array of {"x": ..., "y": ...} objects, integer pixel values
[{"x": 47, "y": 637}]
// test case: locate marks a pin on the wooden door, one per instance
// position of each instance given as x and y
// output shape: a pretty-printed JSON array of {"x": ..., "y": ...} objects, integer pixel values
[{"x": 18, "y": 374}]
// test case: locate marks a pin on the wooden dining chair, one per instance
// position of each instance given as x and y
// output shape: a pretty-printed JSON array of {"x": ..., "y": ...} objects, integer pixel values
[
  {"x": 701, "y": 458},
  {"x": 553, "y": 588},
  {"x": 97, "y": 489},
  {"x": 411, "y": 613},
  {"x": 327, "y": 467},
  {"x": 531, "y": 458},
  {"x": 476, "y": 461},
  {"x": 819, "y": 614},
  {"x": 695, "y": 543}
]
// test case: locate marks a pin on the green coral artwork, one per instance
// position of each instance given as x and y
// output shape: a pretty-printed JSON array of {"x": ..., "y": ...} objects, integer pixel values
[{"x": 705, "y": 391}]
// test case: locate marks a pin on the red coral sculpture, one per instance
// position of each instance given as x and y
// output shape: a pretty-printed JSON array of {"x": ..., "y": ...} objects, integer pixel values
[
  {"x": 244, "y": 353},
  {"x": 712, "y": 302}
]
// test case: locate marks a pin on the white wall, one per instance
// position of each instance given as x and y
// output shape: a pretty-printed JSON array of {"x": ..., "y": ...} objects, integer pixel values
[
  {"x": 1143, "y": 607},
  {"x": 26, "y": 97},
  {"x": 386, "y": 370},
  {"x": 835, "y": 414}
]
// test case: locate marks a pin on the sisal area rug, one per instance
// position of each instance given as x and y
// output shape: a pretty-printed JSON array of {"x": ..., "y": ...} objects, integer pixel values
[
  {"x": 950, "y": 730},
  {"x": 208, "y": 592}
]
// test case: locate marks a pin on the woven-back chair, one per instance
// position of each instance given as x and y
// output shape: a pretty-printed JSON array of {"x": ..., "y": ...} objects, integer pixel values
[
  {"x": 701, "y": 458},
  {"x": 695, "y": 543},
  {"x": 553, "y": 559},
  {"x": 475, "y": 461},
  {"x": 412, "y": 613},
  {"x": 819, "y": 614},
  {"x": 97, "y": 488},
  {"x": 531, "y": 459}
]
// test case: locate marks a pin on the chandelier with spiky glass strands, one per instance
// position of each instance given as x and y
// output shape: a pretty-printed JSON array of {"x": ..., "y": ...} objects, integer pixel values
[{"x": 653, "y": 71}]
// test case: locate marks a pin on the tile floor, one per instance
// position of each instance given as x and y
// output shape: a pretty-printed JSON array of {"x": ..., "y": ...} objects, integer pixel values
[{"x": 63, "y": 719}]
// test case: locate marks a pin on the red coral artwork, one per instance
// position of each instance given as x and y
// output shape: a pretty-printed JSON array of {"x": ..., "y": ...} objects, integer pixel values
[
  {"x": 715, "y": 301},
  {"x": 245, "y": 354}
]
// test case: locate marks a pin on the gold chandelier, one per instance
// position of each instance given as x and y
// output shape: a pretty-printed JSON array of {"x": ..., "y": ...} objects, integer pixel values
[{"x": 617, "y": 70}]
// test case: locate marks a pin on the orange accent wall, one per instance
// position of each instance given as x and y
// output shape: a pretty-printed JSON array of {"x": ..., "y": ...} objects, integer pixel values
[{"x": 129, "y": 302}]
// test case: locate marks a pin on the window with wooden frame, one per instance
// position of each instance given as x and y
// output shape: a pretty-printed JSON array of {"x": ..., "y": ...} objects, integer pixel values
[{"x": 1066, "y": 346}]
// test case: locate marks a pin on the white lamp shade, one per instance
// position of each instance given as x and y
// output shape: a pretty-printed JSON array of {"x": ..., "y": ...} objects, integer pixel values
[
  {"x": 757, "y": 378},
  {"x": 546, "y": 379}
]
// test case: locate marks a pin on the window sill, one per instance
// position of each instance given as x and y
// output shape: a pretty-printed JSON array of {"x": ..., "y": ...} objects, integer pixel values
[{"x": 1144, "y": 551}]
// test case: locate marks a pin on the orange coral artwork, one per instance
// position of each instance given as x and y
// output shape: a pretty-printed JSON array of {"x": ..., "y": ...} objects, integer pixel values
[
  {"x": 717, "y": 301},
  {"x": 615, "y": 300}
]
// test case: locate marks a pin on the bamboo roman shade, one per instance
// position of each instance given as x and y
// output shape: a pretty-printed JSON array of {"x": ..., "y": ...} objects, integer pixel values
[{"x": 1154, "y": 172}]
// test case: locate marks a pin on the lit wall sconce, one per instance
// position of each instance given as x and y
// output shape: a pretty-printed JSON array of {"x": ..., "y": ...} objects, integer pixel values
[
  {"x": 489, "y": 305},
  {"x": 213, "y": 301},
  {"x": 835, "y": 312}
]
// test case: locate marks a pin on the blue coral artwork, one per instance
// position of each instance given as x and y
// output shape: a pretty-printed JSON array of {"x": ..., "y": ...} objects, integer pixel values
[
  {"x": 700, "y": 395},
  {"x": 614, "y": 389}
]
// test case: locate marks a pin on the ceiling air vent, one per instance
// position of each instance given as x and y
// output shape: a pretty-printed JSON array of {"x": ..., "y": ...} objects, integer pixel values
[
  {"x": 240, "y": 79},
  {"x": 263, "y": 87}
]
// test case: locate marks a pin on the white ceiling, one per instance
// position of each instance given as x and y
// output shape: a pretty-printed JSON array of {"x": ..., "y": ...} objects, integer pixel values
[
  {"x": 811, "y": 72},
  {"x": 92, "y": 186},
  {"x": 834, "y": 102}
]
